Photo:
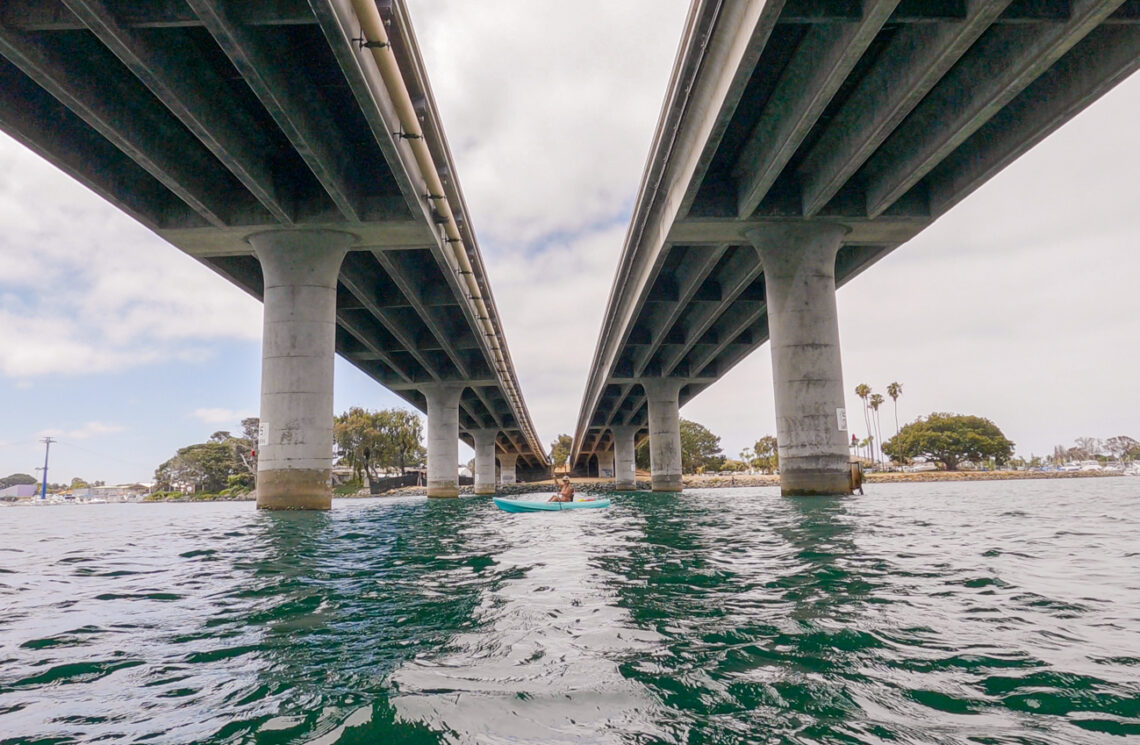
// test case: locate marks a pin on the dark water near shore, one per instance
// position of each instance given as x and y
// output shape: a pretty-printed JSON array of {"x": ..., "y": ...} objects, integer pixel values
[{"x": 995, "y": 612}]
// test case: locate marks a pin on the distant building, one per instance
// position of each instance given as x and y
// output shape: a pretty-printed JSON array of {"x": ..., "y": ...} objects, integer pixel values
[{"x": 19, "y": 491}]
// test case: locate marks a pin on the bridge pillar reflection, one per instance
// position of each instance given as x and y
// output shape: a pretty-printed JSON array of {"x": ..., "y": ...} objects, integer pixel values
[
  {"x": 443, "y": 439},
  {"x": 664, "y": 432},
  {"x": 485, "y": 460},
  {"x": 799, "y": 280},
  {"x": 507, "y": 468},
  {"x": 625, "y": 460},
  {"x": 300, "y": 269}
]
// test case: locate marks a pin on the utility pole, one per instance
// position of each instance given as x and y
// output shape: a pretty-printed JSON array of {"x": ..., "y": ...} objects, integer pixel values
[{"x": 47, "y": 441}]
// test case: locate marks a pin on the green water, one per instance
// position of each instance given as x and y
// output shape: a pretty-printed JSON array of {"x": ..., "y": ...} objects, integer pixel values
[{"x": 1000, "y": 612}]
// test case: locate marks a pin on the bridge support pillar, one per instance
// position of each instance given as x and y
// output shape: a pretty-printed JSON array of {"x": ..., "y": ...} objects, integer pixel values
[
  {"x": 606, "y": 464},
  {"x": 443, "y": 440},
  {"x": 294, "y": 461},
  {"x": 799, "y": 279},
  {"x": 507, "y": 468},
  {"x": 664, "y": 432},
  {"x": 485, "y": 460},
  {"x": 625, "y": 461}
]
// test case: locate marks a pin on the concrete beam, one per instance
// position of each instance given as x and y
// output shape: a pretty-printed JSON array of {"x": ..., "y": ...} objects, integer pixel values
[
  {"x": 409, "y": 289},
  {"x": 45, "y": 126},
  {"x": 721, "y": 43},
  {"x": 36, "y": 15},
  {"x": 915, "y": 60},
  {"x": 998, "y": 67},
  {"x": 697, "y": 270},
  {"x": 309, "y": 128},
  {"x": 173, "y": 73},
  {"x": 820, "y": 65},
  {"x": 887, "y": 229},
  {"x": 742, "y": 270},
  {"x": 357, "y": 284},
  {"x": 127, "y": 118},
  {"x": 1094, "y": 66}
]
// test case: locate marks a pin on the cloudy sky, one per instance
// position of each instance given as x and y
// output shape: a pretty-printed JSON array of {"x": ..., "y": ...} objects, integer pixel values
[{"x": 1021, "y": 305}]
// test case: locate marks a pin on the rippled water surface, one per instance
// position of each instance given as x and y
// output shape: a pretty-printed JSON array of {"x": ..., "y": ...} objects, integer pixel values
[{"x": 994, "y": 612}]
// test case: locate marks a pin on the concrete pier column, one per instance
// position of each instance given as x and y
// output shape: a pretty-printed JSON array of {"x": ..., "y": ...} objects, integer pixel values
[
  {"x": 443, "y": 439},
  {"x": 606, "y": 464},
  {"x": 664, "y": 432},
  {"x": 295, "y": 441},
  {"x": 625, "y": 459},
  {"x": 485, "y": 460},
  {"x": 811, "y": 421},
  {"x": 507, "y": 464}
]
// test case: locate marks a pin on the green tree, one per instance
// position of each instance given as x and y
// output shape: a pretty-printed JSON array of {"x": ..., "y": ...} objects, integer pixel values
[
  {"x": 700, "y": 449},
  {"x": 374, "y": 441},
  {"x": 950, "y": 439},
  {"x": 205, "y": 467},
  {"x": 766, "y": 454},
  {"x": 402, "y": 447},
  {"x": 1122, "y": 447},
  {"x": 78, "y": 483},
  {"x": 560, "y": 449}
]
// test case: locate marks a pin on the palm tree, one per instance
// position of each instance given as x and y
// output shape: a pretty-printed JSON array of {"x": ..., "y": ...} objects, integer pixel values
[
  {"x": 863, "y": 391},
  {"x": 876, "y": 401},
  {"x": 894, "y": 390}
]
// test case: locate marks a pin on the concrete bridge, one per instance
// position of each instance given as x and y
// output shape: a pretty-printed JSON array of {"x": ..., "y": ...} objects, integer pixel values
[
  {"x": 295, "y": 149},
  {"x": 800, "y": 142}
]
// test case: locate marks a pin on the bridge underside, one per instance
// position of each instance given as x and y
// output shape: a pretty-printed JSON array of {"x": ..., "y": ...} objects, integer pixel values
[
  {"x": 211, "y": 121},
  {"x": 876, "y": 116}
]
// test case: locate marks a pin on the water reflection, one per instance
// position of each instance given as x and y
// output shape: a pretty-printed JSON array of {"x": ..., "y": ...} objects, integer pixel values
[
  {"x": 539, "y": 667},
  {"x": 956, "y": 614}
]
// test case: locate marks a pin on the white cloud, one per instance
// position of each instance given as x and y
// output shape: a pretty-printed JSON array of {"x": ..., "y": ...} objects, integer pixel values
[
  {"x": 221, "y": 416},
  {"x": 86, "y": 289},
  {"x": 87, "y": 430},
  {"x": 548, "y": 106}
]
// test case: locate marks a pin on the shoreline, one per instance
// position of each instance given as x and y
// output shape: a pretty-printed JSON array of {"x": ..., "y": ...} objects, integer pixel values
[
  {"x": 701, "y": 481},
  {"x": 691, "y": 481}
]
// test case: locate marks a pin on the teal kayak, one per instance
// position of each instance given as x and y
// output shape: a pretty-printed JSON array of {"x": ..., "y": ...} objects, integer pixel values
[{"x": 524, "y": 505}]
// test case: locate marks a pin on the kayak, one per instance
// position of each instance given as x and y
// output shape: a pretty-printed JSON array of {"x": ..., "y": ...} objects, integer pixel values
[{"x": 524, "y": 505}]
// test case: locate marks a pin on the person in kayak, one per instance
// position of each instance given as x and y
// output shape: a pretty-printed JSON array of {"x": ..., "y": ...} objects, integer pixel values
[{"x": 566, "y": 494}]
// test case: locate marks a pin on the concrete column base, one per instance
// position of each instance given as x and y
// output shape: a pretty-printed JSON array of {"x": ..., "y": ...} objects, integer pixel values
[
  {"x": 664, "y": 432},
  {"x": 799, "y": 278},
  {"x": 300, "y": 269},
  {"x": 485, "y": 460},
  {"x": 814, "y": 483},
  {"x": 606, "y": 464},
  {"x": 507, "y": 465},
  {"x": 294, "y": 489},
  {"x": 443, "y": 440},
  {"x": 625, "y": 459}
]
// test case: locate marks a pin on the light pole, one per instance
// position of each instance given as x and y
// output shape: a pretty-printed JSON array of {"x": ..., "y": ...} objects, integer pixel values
[{"x": 47, "y": 441}]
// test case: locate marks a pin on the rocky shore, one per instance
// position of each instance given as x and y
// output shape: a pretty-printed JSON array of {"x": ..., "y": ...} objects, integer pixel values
[{"x": 704, "y": 481}]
